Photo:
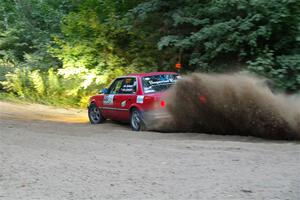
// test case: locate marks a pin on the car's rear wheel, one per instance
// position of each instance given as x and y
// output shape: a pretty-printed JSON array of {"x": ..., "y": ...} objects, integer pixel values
[
  {"x": 95, "y": 115},
  {"x": 136, "y": 120}
]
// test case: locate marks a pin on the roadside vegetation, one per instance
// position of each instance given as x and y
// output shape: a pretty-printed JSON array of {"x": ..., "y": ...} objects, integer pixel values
[{"x": 62, "y": 51}]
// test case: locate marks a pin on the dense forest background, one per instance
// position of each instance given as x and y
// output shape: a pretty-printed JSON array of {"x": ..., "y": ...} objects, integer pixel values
[{"x": 62, "y": 51}]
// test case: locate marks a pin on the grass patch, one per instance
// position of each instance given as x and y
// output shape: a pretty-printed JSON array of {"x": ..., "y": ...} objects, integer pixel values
[
  {"x": 4, "y": 96},
  {"x": 54, "y": 101}
]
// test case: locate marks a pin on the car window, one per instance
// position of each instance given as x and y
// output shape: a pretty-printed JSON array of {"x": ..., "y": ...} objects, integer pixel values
[
  {"x": 124, "y": 86},
  {"x": 128, "y": 86},
  {"x": 114, "y": 89},
  {"x": 158, "y": 83}
]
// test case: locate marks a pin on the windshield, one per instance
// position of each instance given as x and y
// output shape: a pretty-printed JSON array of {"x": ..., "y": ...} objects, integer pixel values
[{"x": 158, "y": 83}]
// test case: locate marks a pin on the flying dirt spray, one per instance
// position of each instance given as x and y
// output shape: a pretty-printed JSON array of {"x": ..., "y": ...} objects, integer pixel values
[{"x": 234, "y": 104}]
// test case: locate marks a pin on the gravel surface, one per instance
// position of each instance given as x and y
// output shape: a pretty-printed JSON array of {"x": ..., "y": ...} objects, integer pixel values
[{"x": 51, "y": 153}]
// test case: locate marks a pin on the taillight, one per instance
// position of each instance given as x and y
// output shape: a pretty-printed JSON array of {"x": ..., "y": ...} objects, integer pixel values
[
  {"x": 202, "y": 99},
  {"x": 162, "y": 103}
]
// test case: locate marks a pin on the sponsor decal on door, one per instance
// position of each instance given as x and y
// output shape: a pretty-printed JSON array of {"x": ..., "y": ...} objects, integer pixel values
[
  {"x": 108, "y": 99},
  {"x": 123, "y": 103}
]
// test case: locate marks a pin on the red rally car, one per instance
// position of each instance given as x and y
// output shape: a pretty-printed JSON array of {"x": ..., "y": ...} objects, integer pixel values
[{"x": 129, "y": 97}]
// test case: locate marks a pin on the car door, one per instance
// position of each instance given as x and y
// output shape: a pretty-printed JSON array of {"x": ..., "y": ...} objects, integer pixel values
[
  {"x": 123, "y": 99},
  {"x": 108, "y": 100}
]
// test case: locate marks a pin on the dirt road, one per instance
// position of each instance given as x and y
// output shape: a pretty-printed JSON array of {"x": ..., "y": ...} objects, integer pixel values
[{"x": 51, "y": 153}]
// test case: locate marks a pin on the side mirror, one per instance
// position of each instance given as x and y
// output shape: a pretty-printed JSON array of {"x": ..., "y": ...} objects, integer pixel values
[{"x": 104, "y": 91}]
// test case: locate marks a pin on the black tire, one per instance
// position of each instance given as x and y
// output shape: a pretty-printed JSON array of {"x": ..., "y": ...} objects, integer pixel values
[
  {"x": 95, "y": 115},
  {"x": 136, "y": 120}
]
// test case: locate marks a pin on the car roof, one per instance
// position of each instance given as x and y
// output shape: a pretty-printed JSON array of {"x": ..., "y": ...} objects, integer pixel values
[{"x": 150, "y": 74}]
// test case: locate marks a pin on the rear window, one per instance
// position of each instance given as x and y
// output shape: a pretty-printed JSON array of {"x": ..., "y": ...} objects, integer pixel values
[{"x": 158, "y": 83}]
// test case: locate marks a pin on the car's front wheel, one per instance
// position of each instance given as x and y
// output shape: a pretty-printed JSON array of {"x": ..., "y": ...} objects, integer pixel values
[
  {"x": 136, "y": 120},
  {"x": 95, "y": 114}
]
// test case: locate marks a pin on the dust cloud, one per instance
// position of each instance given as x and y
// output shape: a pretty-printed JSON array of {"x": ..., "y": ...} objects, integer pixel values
[{"x": 232, "y": 104}]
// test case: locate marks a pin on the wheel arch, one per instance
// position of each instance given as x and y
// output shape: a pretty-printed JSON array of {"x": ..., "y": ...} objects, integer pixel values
[
  {"x": 93, "y": 102},
  {"x": 135, "y": 106}
]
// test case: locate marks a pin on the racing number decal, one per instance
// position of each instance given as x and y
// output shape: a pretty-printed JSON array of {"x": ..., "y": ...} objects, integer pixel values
[
  {"x": 108, "y": 99},
  {"x": 140, "y": 99}
]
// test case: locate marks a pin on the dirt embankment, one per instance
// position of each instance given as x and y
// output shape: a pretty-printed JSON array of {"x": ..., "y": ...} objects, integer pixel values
[{"x": 30, "y": 112}]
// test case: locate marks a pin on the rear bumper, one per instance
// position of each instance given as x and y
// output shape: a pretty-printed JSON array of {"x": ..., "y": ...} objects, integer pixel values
[{"x": 154, "y": 117}]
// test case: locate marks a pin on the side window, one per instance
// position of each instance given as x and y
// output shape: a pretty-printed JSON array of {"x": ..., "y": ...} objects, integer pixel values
[
  {"x": 128, "y": 86},
  {"x": 115, "y": 88}
]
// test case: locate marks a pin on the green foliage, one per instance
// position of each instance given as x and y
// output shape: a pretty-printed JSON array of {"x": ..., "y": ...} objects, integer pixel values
[
  {"x": 53, "y": 83},
  {"x": 26, "y": 28},
  {"x": 210, "y": 32},
  {"x": 220, "y": 35},
  {"x": 96, "y": 47},
  {"x": 62, "y": 51},
  {"x": 287, "y": 73},
  {"x": 3, "y": 71},
  {"x": 37, "y": 82},
  {"x": 284, "y": 70},
  {"x": 44, "y": 87},
  {"x": 16, "y": 82}
]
